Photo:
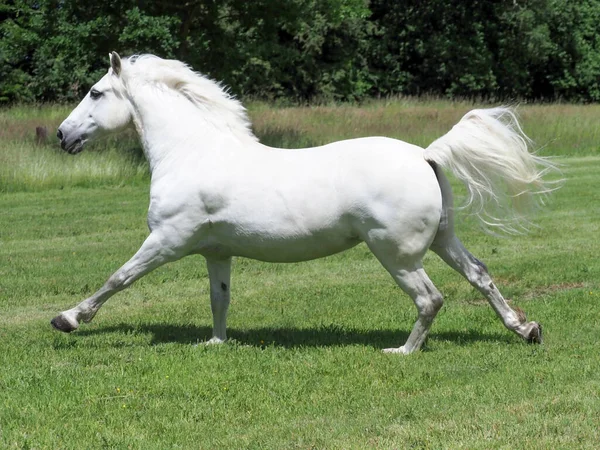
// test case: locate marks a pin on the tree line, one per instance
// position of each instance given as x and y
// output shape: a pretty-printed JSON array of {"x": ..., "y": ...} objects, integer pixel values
[{"x": 306, "y": 50}]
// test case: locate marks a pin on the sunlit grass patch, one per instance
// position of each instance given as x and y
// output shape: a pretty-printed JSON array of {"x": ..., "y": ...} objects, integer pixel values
[{"x": 28, "y": 167}]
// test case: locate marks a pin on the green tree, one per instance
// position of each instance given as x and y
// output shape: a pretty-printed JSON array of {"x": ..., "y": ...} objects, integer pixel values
[{"x": 312, "y": 49}]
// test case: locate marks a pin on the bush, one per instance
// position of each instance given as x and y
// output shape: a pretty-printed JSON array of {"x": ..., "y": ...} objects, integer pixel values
[{"x": 306, "y": 50}]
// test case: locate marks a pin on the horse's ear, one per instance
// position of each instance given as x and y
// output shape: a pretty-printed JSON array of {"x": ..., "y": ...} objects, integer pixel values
[{"x": 115, "y": 63}]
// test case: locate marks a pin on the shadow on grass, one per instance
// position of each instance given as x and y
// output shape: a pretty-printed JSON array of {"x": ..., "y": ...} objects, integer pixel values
[{"x": 329, "y": 336}]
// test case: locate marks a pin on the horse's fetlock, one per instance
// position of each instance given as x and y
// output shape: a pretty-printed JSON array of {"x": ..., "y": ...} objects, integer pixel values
[{"x": 521, "y": 316}]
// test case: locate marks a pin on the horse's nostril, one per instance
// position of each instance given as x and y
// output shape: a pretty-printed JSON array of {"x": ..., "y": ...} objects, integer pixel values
[{"x": 59, "y": 134}]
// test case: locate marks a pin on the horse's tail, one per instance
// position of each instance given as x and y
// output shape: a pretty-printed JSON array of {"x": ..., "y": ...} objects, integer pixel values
[{"x": 488, "y": 151}]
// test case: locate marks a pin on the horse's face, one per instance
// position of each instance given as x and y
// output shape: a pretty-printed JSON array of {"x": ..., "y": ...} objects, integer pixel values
[{"x": 104, "y": 110}]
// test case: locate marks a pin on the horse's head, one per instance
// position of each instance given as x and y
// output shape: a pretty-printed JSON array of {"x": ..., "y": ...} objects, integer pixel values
[{"x": 104, "y": 110}]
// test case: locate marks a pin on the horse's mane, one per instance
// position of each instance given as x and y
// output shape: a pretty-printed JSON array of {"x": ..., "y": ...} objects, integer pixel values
[{"x": 207, "y": 95}]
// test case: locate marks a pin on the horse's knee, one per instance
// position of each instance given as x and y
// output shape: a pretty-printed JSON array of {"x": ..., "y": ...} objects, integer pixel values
[
  {"x": 437, "y": 301},
  {"x": 117, "y": 281},
  {"x": 429, "y": 306}
]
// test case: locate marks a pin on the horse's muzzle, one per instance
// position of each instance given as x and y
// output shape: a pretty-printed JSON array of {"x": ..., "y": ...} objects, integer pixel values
[{"x": 69, "y": 145}]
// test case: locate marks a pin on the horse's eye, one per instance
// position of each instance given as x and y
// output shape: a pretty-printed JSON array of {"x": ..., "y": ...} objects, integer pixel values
[{"x": 95, "y": 94}]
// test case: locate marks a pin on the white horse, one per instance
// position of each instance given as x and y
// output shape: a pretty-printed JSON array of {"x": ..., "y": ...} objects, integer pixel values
[{"x": 216, "y": 191}]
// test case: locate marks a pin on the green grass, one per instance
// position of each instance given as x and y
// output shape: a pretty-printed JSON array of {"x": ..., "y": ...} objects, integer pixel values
[
  {"x": 304, "y": 368},
  {"x": 557, "y": 129},
  {"x": 26, "y": 165}
]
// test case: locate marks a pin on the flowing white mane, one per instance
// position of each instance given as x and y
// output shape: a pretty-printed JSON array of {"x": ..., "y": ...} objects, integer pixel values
[{"x": 207, "y": 95}]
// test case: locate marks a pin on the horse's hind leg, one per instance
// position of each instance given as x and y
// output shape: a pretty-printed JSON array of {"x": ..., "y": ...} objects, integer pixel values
[
  {"x": 451, "y": 250},
  {"x": 406, "y": 268},
  {"x": 428, "y": 301}
]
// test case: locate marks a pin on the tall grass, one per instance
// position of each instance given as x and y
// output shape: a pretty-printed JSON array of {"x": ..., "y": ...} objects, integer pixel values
[
  {"x": 29, "y": 168},
  {"x": 25, "y": 165},
  {"x": 28, "y": 165},
  {"x": 557, "y": 129}
]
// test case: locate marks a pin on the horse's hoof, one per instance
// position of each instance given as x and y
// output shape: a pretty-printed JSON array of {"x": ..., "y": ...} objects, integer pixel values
[
  {"x": 62, "y": 324},
  {"x": 397, "y": 351},
  {"x": 535, "y": 334}
]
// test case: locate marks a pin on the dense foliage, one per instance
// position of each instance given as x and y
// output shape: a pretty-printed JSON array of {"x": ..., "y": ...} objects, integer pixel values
[{"x": 312, "y": 49}]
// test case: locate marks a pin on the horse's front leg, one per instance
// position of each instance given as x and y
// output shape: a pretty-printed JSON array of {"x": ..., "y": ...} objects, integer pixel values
[
  {"x": 219, "y": 273},
  {"x": 154, "y": 252}
]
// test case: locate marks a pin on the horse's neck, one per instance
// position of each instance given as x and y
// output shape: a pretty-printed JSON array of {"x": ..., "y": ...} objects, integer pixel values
[{"x": 169, "y": 124}]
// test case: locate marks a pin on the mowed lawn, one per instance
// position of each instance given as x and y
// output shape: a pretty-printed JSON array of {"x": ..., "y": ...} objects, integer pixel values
[{"x": 304, "y": 368}]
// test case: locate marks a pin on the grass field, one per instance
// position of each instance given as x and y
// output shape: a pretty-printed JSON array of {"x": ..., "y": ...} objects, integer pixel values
[{"x": 304, "y": 368}]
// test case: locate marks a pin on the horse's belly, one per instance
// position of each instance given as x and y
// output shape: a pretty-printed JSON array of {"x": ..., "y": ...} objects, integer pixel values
[{"x": 291, "y": 249}]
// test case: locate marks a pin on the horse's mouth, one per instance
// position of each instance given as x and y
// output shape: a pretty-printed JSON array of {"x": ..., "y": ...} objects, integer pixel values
[{"x": 75, "y": 147}]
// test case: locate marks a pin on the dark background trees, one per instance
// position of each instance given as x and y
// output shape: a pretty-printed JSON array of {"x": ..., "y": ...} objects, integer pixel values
[{"x": 302, "y": 50}]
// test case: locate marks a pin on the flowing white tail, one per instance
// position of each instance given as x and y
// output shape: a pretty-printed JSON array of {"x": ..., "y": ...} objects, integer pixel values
[{"x": 488, "y": 151}]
